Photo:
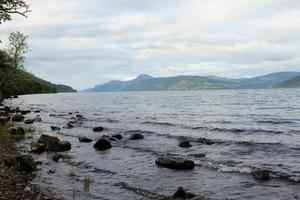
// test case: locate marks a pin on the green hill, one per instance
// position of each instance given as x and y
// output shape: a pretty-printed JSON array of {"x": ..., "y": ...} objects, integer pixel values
[
  {"x": 18, "y": 82},
  {"x": 291, "y": 83}
]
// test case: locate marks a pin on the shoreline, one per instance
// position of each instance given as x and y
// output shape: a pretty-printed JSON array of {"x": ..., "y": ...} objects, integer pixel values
[{"x": 15, "y": 184}]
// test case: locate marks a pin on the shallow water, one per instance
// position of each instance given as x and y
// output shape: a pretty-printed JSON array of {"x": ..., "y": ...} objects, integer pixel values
[{"x": 252, "y": 129}]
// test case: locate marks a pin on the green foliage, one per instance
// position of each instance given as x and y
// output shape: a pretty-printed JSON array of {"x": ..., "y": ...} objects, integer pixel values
[
  {"x": 10, "y": 7},
  {"x": 291, "y": 83}
]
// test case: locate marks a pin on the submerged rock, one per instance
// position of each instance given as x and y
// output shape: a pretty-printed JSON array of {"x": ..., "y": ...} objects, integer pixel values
[
  {"x": 102, "y": 144},
  {"x": 17, "y": 118},
  {"x": 25, "y": 112},
  {"x": 98, "y": 129},
  {"x": 85, "y": 139},
  {"x": 185, "y": 143},
  {"x": 54, "y": 144},
  {"x": 205, "y": 141},
  {"x": 57, "y": 157},
  {"x": 21, "y": 163},
  {"x": 38, "y": 147},
  {"x": 117, "y": 136},
  {"x": 16, "y": 131},
  {"x": 261, "y": 175},
  {"x": 175, "y": 163},
  {"x": 29, "y": 121},
  {"x": 55, "y": 128},
  {"x": 37, "y": 119},
  {"x": 136, "y": 136},
  {"x": 181, "y": 194}
]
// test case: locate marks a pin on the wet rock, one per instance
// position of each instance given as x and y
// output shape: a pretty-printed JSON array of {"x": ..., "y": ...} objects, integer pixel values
[
  {"x": 16, "y": 131},
  {"x": 85, "y": 139},
  {"x": 185, "y": 144},
  {"x": 21, "y": 163},
  {"x": 117, "y": 136},
  {"x": 175, "y": 163},
  {"x": 205, "y": 141},
  {"x": 4, "y": 119},
  {"x": 70, "y": 124},
  {"x": 51, "y": 171},
  {"x": 98, "y": 129},
  {"x": 102, "y": 144},
  {"x": 198, "y": 155},
  {"x": 261, "y": 175},
  {"x": 80, "y": 116},
  {"x": 37, "y": 148},
  {"x": 57, "y": 157},
  {"x": 55, "y": 128},
  {"x": 54, "y": 144},
  {"x": 17, "y": 118},
  {"x": 29, "y": 121},
  {"x": 181, "y": 194},
  {"x": 37, "y": 119},
  {"x": 136, "y": 136},
  {"x": 37, "y": 111},
  {"x": 25, "y": 112}
]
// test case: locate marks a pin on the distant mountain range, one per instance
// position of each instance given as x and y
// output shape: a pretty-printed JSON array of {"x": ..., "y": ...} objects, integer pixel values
[{"x": 147, "y": 83}]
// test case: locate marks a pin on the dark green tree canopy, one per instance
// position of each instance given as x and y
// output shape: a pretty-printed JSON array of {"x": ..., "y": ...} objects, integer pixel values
[{"x": 10, "y": 7}]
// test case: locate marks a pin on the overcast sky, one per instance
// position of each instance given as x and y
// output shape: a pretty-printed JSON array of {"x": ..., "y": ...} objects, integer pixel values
[{"x": 84, "y": 43}]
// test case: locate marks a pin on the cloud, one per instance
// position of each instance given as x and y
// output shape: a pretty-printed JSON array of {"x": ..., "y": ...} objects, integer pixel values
[{"x": 86, "y": 43}]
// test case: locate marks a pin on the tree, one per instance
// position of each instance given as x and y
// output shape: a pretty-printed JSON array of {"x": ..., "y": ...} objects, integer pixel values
[
  {"x": 10, "y": 7},
  {"x": 17, "y": 47}
]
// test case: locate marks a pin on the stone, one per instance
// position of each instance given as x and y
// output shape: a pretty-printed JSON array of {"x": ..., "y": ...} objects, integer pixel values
[
  {"x": 175, "y": 163},
  {"x": 37, "y": 147},
  {"x": 54, "y": 144},
  {"x": 29, "y": 121},
  {"x": 102, "y": 144},
  {"x": 261, "y": 175},
  {"x": 57, "y": 157},
  {"x": 17, "y": 118},
  {"x": 55, "y": 128},
  {"x": 205, "y": 141},
  {"x": 136, "y": 136},
  {"x": 117, "y": 136},
  {"x": 185, "y": 144},
  {"x": 21, "y": 163},
  {"x": 98, "y": 129},
  {"x": 16, "y": 131},
  {"x": 24, "y": 112},
  {"x": 85, "y": 139},
  {"x": 182, "y": 194}
]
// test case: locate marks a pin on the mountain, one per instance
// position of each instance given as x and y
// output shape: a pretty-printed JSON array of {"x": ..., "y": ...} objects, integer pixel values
[
  {"x": 147, "y": 83},
  {"x": 291, "y": 83}
]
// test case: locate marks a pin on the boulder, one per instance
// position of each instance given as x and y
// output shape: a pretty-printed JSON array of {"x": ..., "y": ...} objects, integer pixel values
[
  {"x": 102, "y": 144},
  {"x": 175, "y": 163},
  {"x": 37, "y": 147},
  {"x": 136, "y": 136},
  {"x": 85, "y": 139},
  {"x": 181, "y": 194},
  {"x": 185, "y": 143},
  {"x": 261, "y": 175},
  {"x": 117, "y": 136},
  {"x": 17, "y": 118},
  {"x": 55, "y": 128},
  {"x": 29, "y": 121},
  {"x": 54, "y": 144},
  {"x": 21, "y": 163},
  {"x": 98, "y": 129},
  {"x": 16, "y": 131},
  {"x": 205, "y": 141}
]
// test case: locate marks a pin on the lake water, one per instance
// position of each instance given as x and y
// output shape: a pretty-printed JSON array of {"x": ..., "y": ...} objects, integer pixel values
[{"x": 252, "y": 129}]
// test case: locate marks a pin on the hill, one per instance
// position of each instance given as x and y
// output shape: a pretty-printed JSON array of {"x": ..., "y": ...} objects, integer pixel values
[
  {"x": 291, "y": 83},
  {"x": 148, "y": 83}
]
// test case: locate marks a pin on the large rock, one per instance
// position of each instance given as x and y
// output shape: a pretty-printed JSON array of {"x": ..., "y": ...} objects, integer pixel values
[
  {"x": 17, "y": 118},
  {"x": 175, "y": 163},
  {"x": 21, "y": 163},
  {"x": 181, "y": 194},
  {"x": 38, "y": 148},
  {"x": 117, "y": 136},
  {"x": 16, "y": 131},
  {"x": 261, "y": 175},
  {"x": 102, "y": 144},
  {"x": 136, "y": 136},
  {"x": 185, "y": 143},
  {"x": 98, "y": 129},
  {"x": 205, "y": 141},
  {"x": 85, "y": 139},
  {"x": 54, "y": 144}
]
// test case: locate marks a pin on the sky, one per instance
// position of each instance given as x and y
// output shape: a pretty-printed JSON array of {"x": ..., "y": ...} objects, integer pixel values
[{"x": 84, "y": 43}]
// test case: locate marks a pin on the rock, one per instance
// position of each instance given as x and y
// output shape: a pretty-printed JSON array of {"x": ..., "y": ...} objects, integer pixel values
[
  {"x": 205, "y": 141},
  {"x": 16, "y": 131},
  {"x": 25, "y": 112},
  {"x": 98, "y": 129},
  {"x": 51, "y": 171},
  {"x": 57, "y": 157},
  {"x": 136, "y": 136},
  {"x": 102, "y": 144},
  {"x": 117, "y": 136},
  {"x": 85, "y": 139},
  {"x": 70, "y": 124},
  {"x": 4, "y": 119},
  {"x": 175, "y": 163},
  {"x": 80, "y": 116},
  {"x": 261, "y": 175},
  {"x": 37, "y": 111},
  {"x": 198, "y": 155},
  {"x": 29, "y": 121},
  {"x": 37, "y": 119},
  {"x": 55, "y": 128},
  {"x": 21, "y": 163},
  {"x": 38, "y": 147},
  {"x": 185, "y": 144},
  {"x": 181, "y": 194},
  {"x": 54, "y": 144},
  {"x": 17, "y": 118}
]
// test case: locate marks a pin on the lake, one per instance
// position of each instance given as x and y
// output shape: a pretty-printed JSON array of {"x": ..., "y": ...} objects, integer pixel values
[{"x": 251, "y": 130}]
